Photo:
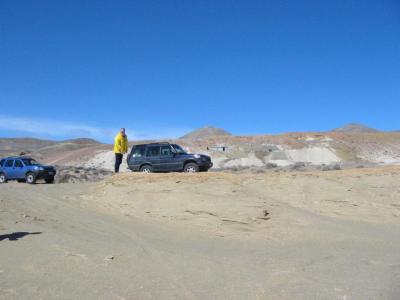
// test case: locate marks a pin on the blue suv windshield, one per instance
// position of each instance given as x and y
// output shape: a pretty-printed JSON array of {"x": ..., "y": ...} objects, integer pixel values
[
  {"x": 179, "y": 149},
  {"x": 30, "y": 162}
]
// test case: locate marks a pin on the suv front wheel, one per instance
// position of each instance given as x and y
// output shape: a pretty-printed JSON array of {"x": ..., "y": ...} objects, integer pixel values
[
  {"x": 191, "y": 168},
  {"x": 30, "y": 178}
]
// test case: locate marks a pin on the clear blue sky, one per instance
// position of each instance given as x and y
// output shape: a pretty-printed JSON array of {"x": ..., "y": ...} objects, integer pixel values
[{"x": 160, "y": 68}]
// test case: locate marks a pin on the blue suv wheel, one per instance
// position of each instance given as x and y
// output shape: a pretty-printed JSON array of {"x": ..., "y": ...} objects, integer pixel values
[
  {"x": 3, "y": 178},
  {"x": 30, "y": 178}
]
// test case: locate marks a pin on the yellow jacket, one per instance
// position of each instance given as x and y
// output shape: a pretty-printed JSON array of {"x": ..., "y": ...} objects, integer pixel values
[{"x": 121, "y": 143}]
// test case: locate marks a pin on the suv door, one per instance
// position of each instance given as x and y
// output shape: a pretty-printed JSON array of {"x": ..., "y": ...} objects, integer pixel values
[
  {"x": 19, "y": 171},
  {"x": 168, "y": 161},
  {"x": 9, "y": 168},
  {"x": 153, "y": 157}
]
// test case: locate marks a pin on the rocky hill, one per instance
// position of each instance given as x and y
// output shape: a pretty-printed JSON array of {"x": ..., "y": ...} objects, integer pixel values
[
  {"x": 206, "y": 132},
  {"x": 356, "y": 128},
  {"x": 27, "y": 145},
  {"x": 13, "y": 145},
  {"x": 49, "y": 151}
]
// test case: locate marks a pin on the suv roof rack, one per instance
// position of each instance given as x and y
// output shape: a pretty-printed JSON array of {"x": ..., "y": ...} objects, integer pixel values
[
  {"x": 146, "y": 144},
  {"x": 160, "y": 143},
  {"x": 16, "y": 157}
]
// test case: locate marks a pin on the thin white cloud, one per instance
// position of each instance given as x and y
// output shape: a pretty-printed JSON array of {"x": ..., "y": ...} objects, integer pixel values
[{"x": 51, "y": 129}]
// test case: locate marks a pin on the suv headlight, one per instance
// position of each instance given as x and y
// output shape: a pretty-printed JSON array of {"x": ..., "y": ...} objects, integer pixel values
[
  {"x": 197, "y": 155},
  {"x": 38, "y": 168}
]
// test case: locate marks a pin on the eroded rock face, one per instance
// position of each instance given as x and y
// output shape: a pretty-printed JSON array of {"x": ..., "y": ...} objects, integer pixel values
[{"x": 70, "y": 174}]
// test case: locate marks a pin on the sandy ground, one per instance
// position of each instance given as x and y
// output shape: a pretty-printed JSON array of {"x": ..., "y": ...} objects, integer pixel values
[
  {"x": 105, "y": 160},
  {"x": 320, "y": 235},
  {"x": 313, "y": 155}
]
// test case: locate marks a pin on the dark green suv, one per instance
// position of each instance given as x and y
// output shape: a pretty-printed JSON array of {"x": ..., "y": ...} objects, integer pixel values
[{"x": 166, "y": 157}]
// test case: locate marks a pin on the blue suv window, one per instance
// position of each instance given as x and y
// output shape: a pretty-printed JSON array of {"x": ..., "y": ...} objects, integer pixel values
[
  {"x": 9, "y": 163},
  {"x": 30, "y": 162},
  {"x": 2, "y": 162},
  {"x": 18, "y": 164}
]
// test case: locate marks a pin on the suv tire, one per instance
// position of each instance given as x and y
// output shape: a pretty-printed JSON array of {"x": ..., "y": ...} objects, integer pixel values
[
  {"x": 191, "y": 168},
  {"x": 3, "y": 178},
  {"x": 146, "y": 169},
  {"x": 30, "y": 178}
]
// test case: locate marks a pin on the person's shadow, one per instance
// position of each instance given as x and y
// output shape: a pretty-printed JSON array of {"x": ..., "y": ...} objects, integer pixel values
[{"x": 16, "y": 235}]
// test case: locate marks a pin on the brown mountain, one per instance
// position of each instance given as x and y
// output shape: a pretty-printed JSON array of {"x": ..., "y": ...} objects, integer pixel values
[
  {"x": 43, "y": 148},
  {"x": 356, "y": 128},
  {"x": 22, "y": 144},
  {"x": 205, "y": 132}
]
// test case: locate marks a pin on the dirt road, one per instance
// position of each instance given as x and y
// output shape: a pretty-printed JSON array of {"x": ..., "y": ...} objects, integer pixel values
[{"x": 210, "y": 236}]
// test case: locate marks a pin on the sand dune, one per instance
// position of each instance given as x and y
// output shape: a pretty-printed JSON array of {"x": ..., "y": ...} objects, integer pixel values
[
  {"x": 298, "y": 235},
  {"x": 230, "y": 204}
]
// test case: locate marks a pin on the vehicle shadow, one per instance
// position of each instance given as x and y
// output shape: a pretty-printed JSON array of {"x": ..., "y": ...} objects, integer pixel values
[
  {"x": 16, "y": 235},
  {"x": 36, "y": 183}
]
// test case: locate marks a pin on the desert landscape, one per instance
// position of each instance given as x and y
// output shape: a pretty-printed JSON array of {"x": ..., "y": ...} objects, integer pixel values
[
  {"x": 292, "y": 216},
  {"x": 199, "y": 150},
  {"x": 350, "y": 146}
]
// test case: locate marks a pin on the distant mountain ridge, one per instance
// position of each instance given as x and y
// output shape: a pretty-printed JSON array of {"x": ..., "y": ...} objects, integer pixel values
[
  {"x": 16, "y": 146},
  {"x": 350, "y": 145},
  {"x": 81, "y": 141},
  {"x": 206, "y": 132},
  {"x": 19, "y": 144},
  {"x": 356, "y": 128}
]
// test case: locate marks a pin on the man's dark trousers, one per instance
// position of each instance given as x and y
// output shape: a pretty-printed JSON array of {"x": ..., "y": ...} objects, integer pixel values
[{"x": 118, "y": 161}]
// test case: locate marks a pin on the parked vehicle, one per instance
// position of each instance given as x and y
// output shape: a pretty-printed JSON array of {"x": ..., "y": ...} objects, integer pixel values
[
  {"x": 166, "y": 157},
  {"x": 25, "y": 169}
]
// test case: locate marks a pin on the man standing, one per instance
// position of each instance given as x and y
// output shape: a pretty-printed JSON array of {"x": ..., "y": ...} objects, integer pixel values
[{"x": 120, "y": 148}]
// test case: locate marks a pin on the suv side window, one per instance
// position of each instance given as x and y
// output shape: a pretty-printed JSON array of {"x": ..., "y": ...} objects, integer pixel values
[
  {"x": 138, "y": 151},
  {"x": 18, "y": 164},
  {"x": 166, "y": 151},
  {"x": 9, "y": 163},
  {"x": 2, "y": 162},
  {"x": 153, "y": 151}
]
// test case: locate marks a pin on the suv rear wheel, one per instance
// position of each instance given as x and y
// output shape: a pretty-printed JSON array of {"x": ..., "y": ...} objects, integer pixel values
[
  {"x": 3, "y": 178},
  {"x": 30, "y": 178},
  {"x": 191, "y": 168},
  {"x": 146, "y": 169}
]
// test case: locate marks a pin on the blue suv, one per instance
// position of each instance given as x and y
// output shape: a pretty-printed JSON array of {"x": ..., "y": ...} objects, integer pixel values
[
  {"x": 25, "y": 169},
  {"x": 166, "y": 157}
]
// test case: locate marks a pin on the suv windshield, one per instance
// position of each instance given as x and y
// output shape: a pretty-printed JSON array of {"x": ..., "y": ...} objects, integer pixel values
[
  {"x": 179, "y": 149},
  {"x": 30, "y": 162}
]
